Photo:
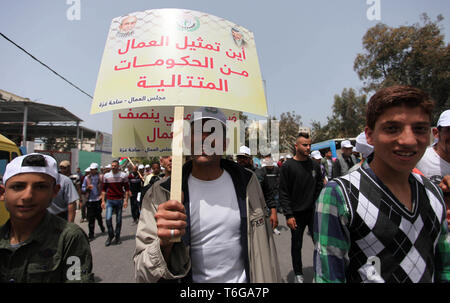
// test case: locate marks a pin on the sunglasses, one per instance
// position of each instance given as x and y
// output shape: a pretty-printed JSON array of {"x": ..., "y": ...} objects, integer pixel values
[{"x": 64, "y": 167}]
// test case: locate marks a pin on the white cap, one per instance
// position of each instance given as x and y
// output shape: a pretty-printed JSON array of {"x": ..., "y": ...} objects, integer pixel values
[
  {"x": 141, "y": 166},
  {"x": 93, "y": 166},
  {"x": 16, "y": 166},
  {"x": 316, "y": 154},
  {"x": 444, "y": 119},
  {"x": 87, "y": 170},
  {"x": 108, "y": 166},
  {"x": 210, "y": 113},
  {"x": 362, "y": 146},
  {"x": 147, "y": 165},
  {"x": 288, "y": 156},
  {"x": 346, "y": 144},
  {"x": 244, "y": 150}
]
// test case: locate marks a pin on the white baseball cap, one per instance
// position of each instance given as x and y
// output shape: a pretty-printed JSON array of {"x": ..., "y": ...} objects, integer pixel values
[
  {"x": 141, "y": 166},
  {"x": 244, "y": 151},
  {"x": 88, "y": 170},
  {"x": 19, "y": 165},
  {"x": 362, "y": 146},
  {"x": 316, "y": 154},
  {"x": 346, "y": 144},
  {"x": 93, "y": 166},
  {"x": 147, "y": 165},
  {"x": 444, "y": 119}
]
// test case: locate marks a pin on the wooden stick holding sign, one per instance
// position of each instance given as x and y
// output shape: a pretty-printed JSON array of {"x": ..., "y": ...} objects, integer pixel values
[
  {"x": 177, "y": 158},
  {"x": 142, "y": 177}
]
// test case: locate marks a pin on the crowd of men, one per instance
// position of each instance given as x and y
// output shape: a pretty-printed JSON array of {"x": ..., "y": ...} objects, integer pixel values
[{"x": 376, "y": 213}]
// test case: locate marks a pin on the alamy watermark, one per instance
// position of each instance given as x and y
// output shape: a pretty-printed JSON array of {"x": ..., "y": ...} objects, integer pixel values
[
  {"x": 374, "y": 11},
  {"x": 214, "y": 137},
  {"x": 74, "y": 271},
  {"x": 73, "y": 13}
]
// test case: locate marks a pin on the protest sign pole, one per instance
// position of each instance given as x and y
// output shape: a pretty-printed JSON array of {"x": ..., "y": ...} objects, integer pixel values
[
  {"x": 129, "y": 159},
  {"x": 177, "y": 158}
]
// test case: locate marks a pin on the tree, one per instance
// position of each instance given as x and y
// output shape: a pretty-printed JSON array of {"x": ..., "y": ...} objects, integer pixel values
[
  {"x": 347, "y": 120},
  {"x": 289, "y": 126},
  {"x": 319, "y": 133},
  {"x": 409, "y": 55}
]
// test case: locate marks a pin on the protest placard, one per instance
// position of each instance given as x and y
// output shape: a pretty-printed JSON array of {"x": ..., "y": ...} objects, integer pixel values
[
  {"x": 172, "y": 57},
  {"x": 148, "y": 131}
]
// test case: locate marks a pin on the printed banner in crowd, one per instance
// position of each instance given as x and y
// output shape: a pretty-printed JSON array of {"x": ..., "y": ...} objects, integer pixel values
[
  {"x": 147, "y": 131},
  {"x": 103, "y": 142},
  {"x": 174, "y": 57}
]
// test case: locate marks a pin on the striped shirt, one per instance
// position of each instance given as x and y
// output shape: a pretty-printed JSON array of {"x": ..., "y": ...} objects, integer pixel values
[{"x": 115, "y": 185}]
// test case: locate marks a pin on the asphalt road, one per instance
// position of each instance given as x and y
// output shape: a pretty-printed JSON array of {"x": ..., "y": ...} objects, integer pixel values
[{"x": 114, "y": 264}]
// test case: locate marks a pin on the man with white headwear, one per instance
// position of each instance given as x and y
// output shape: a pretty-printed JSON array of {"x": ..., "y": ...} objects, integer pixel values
[
  {"x": 344, "y": 161},
  {"x": 364, "y": 148},
  {"x": 92, "y": 187},
  {"x": 435, "y": 163}
]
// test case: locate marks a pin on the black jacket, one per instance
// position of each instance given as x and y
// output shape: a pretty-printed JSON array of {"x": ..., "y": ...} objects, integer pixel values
[{"x": 270, "y": 181}]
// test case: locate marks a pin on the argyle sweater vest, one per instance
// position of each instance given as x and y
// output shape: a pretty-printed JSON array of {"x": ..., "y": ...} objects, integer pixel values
[{"x": 388, "y": 242}]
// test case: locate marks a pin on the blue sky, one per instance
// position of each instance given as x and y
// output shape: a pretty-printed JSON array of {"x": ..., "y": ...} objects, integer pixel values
[{"x": 306, "y": 48}]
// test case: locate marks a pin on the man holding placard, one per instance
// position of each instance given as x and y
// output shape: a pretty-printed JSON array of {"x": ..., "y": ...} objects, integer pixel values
[{"x": 226, "y": 236}]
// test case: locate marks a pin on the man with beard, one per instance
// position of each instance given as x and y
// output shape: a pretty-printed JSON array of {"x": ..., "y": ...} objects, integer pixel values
[{"x": 300, "y": 184}]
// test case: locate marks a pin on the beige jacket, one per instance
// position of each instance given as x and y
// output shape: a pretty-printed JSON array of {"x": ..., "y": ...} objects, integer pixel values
[{"x": 261, "y": 259}]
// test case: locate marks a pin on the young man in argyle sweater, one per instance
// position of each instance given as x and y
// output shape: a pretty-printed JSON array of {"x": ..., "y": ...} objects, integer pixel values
[{"x": 382, "y": 223}]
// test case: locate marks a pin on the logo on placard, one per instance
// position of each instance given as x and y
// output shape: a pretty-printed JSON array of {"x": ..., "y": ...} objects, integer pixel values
[{"x": 188, "y": 23}]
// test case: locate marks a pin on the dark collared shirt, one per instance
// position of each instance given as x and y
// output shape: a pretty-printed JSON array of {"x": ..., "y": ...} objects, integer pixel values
[{"x": 57, "y": 251}]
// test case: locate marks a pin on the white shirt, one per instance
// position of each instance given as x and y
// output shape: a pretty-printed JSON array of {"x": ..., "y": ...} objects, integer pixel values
[
  {"x": 216, "y": 250},
  {"x": 432, "y": 165}
]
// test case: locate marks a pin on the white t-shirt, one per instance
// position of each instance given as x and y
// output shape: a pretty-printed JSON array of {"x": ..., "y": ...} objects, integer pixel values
[
  {"x": 432, "y": 165},
  {"x": 216, "y": 250}
]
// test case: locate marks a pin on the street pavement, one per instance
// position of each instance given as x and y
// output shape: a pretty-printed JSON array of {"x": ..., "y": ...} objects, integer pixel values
[{"x": 114, "y": 264}]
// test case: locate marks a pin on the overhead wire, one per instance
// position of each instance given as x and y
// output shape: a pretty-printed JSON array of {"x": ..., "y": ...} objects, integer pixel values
[{"x": 48, "y": 67}]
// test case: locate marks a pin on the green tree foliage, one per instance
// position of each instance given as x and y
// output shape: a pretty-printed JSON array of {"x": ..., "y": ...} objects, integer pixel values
[
  {"x": 318, "y": 132},
  {"x": 289, "y": 126},
  {"x": 347, "y": 119},
  {"x": 409, "y": 55}
]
